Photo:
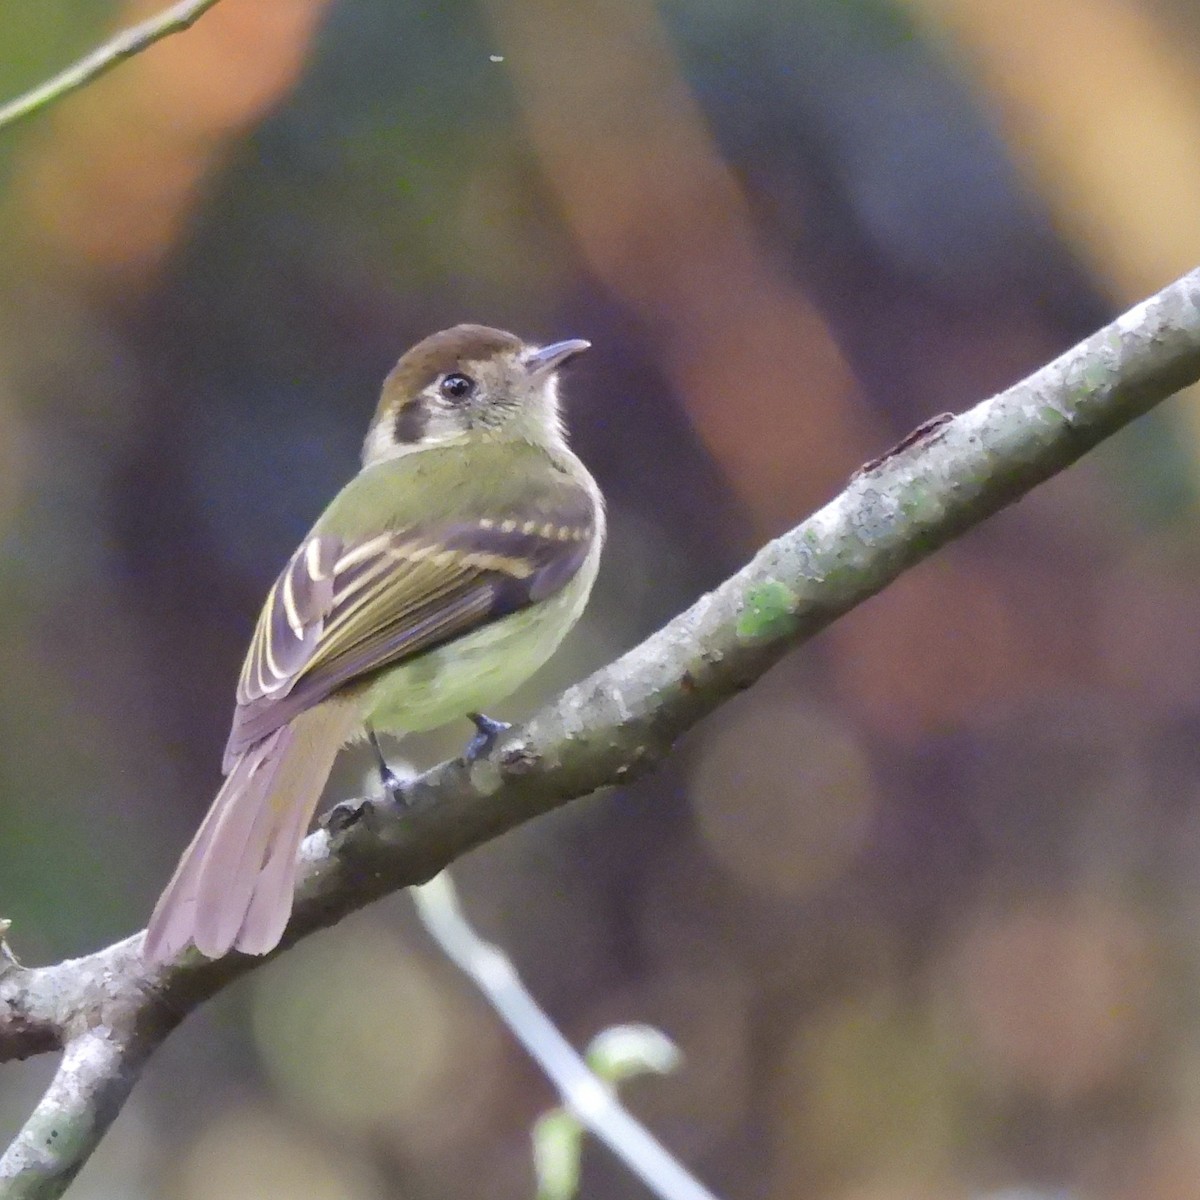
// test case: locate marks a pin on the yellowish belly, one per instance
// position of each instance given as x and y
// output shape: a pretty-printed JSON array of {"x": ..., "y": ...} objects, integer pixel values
[{"x": 474, "y": 672}]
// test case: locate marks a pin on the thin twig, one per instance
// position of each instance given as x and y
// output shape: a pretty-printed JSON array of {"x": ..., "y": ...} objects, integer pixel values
[
  {"x": 125, "y": 44},
  {"x": 593, "y": 1102},
  {"x": 620, "y": 721}
]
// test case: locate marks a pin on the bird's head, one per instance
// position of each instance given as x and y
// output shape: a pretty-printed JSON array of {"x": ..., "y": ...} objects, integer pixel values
[{"x": 469, "y": 382}]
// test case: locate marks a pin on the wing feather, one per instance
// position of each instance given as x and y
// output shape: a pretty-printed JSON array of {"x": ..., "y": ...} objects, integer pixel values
[{"x": 342, "y": 610}]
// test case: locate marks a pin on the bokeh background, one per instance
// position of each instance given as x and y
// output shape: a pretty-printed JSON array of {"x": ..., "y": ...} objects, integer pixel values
[{"x": 922, "y": 910}]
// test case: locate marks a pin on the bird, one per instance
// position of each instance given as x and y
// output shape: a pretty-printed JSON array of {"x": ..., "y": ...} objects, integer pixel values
[{"x": 440, "y": 577}]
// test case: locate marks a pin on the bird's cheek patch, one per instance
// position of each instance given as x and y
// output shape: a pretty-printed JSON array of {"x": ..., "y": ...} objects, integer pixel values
[{"x": 412, "y": 419}]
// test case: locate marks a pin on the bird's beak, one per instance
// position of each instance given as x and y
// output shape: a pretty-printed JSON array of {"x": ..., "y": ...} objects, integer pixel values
[{"x": 550, "y": 358}]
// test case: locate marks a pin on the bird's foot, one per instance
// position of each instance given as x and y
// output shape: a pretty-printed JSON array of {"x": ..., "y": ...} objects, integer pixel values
[
  {"x": 488, "y": 731},
  {"x": 346, "y": 814}
]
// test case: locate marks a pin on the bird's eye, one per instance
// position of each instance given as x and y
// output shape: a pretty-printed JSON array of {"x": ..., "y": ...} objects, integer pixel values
[{"x": 457, "y": 386}]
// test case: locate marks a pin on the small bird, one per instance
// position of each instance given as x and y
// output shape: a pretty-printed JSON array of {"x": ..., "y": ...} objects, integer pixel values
[{"x": 441, "y": 577}]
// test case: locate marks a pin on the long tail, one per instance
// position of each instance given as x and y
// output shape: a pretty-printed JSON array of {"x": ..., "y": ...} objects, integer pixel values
[{"x": 233, "y": 886}]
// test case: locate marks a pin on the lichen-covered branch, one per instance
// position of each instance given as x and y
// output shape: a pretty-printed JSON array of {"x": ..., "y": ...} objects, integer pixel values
[
  {"x": 109, "y": 1011},
  {"x": 126, "y": 44}
]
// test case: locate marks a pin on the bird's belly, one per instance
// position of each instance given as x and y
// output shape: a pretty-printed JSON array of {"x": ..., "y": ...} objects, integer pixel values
[{"x": 474, "y": 672}]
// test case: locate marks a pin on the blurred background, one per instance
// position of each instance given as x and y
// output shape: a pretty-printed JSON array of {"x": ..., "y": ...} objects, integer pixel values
[{"x": 922, "y": 910}]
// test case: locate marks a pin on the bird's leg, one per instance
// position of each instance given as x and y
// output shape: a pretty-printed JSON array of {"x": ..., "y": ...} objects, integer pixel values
[
  {"x": 487, "y": 731},
  {"x": 387, "y": 777},
  {"x": 350, "y": 812}
]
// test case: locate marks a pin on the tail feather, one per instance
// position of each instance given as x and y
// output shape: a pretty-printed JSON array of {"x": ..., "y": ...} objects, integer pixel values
[
  {"x": 271, "y": 905},
  {"x": 234, "y": 883},
  {"x": 228, "y": 874}
]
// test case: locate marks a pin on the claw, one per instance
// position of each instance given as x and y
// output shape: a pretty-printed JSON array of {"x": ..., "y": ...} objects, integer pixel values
[
  {"x": 488, "y": 730},
  {"x": 345, "y": 814}
]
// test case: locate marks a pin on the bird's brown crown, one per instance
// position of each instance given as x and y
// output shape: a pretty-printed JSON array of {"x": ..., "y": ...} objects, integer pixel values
[{"x": 440, "y": 354}]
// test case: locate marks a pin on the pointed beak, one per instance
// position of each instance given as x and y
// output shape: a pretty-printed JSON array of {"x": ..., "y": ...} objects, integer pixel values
[{"x": 550, "y": 358}]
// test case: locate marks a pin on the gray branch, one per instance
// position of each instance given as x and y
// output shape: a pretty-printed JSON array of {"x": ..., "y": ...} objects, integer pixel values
[
  {"x": 108, "y": 1012},
  {"x": 129, "y": 42}
]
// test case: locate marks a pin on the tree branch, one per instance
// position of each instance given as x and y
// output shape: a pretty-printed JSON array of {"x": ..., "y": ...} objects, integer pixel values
[
  {"x": 592, "y": 1101},
  {"x": 125, "y": 44},
  {"x": 109, "y": 1011}
]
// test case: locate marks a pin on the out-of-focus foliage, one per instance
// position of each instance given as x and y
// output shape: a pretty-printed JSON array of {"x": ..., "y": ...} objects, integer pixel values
[
  {"x": 615, "y": 1055},
  {"x": 921, "y": 910}
]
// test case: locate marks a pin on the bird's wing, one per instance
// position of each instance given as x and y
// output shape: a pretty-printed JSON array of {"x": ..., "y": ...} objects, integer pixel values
[{"x": 342, "y": 609}]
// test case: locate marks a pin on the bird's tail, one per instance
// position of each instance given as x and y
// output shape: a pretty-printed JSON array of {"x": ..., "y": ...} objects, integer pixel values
[{"x": 233, "y": 886}]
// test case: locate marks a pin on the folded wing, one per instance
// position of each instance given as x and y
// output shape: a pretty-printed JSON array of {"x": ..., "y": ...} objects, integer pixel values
[{"x": 342, "y": 610}]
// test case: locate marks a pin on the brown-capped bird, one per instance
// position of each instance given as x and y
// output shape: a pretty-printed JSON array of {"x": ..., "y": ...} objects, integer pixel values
[{"x": 439, "y": 578}]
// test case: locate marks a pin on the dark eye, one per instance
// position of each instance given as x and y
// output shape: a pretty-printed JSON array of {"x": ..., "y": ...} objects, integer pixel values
[{"x": 457, "y": 386}]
